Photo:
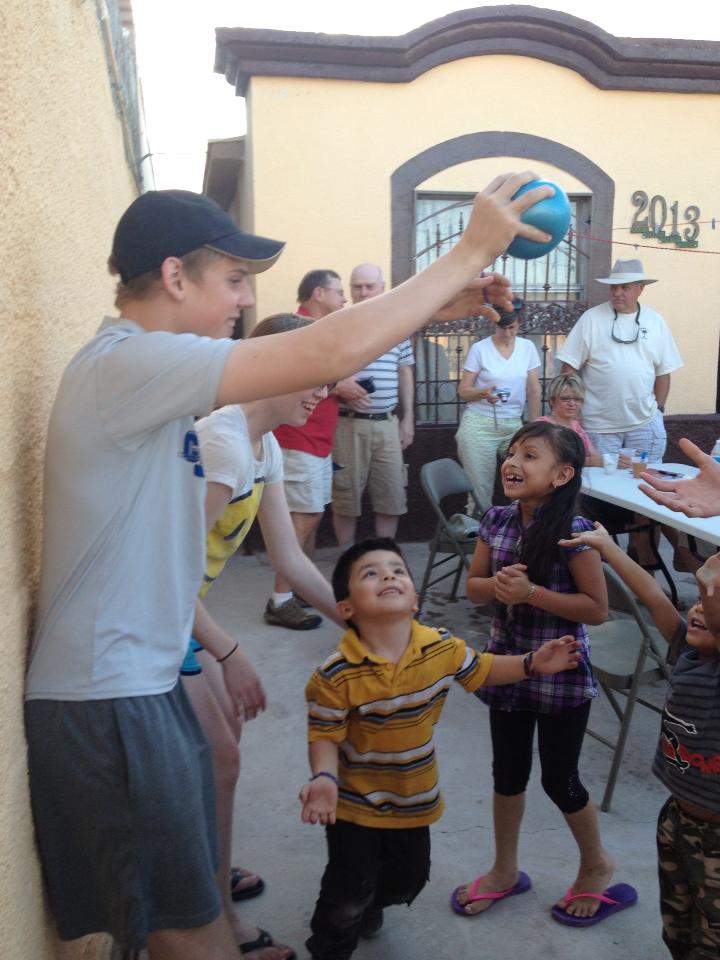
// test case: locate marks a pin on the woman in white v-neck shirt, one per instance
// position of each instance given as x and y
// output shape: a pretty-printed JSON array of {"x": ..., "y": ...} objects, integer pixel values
[{"x": 500, "y": 374}]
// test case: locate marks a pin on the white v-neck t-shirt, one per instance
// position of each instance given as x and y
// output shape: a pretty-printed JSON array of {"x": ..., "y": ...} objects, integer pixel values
[{"x": 490, "y": 367}]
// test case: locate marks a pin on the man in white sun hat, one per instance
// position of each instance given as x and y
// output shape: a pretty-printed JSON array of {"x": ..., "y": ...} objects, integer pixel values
[{"x": 625, "y": 354}]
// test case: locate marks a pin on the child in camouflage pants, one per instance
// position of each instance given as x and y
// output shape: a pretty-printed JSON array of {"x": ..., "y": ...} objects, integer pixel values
[
  {"x": 687, "y": 760},
  {"x": 689, "y": 868}
]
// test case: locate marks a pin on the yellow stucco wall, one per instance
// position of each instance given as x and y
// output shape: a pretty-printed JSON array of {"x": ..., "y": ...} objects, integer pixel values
[
  {"x": 323, "y": 152},
  {"x": 64, "y": 183}
]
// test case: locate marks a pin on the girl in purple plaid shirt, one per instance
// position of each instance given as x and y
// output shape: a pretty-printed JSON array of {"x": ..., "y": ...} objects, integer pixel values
[{"x": 540, "y": 590}]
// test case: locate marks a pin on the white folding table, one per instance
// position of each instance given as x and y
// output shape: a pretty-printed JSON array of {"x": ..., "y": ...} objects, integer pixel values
[{"x": 622, "y": 489}]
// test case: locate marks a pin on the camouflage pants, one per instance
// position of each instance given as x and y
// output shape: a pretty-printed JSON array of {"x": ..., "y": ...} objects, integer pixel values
[{"x": 689, "y": 871}]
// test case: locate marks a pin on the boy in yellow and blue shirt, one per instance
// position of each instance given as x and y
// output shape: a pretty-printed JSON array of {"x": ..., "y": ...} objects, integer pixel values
[{"x": 372, "y": 708}]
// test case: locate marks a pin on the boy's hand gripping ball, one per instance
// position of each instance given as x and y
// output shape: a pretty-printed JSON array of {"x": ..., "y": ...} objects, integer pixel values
[{"x": 552, "y": 215}]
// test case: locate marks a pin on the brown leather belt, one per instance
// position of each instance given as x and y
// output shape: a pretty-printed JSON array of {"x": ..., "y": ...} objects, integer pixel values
[{"x": 352, "y": 415}]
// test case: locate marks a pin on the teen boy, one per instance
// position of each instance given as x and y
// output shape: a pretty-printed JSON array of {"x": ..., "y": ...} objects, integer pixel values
[
  {"x": 119, "y": 775},
  {"x": 372, "y": 708},
  {"x": 686, "y": 760}
]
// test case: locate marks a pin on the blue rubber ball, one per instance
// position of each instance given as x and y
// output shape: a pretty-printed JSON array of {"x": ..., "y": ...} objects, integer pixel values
[{"x": 551, "y": 215}]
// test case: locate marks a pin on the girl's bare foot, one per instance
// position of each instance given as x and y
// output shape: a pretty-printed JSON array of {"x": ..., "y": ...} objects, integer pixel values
[
  {"x": 594, "y": 879},
  {"x": 492, "y": 882}
]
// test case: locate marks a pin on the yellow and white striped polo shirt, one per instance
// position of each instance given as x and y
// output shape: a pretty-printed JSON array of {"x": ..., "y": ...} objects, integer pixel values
[{"x": 382, "y": 714}]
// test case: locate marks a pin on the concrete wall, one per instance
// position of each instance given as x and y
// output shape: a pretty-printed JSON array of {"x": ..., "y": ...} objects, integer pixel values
[
  {"x": 322, "y": 153},
  {"x": 64, "y": 183}
]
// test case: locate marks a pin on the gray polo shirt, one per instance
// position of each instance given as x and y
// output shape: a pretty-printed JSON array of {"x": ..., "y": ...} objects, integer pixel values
[
  {"x": 687, "y": 759},
  {"x": 124, "y": 536}
]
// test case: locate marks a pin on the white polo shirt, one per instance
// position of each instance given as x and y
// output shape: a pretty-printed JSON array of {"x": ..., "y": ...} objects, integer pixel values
[{"x": 619, "y": 377}]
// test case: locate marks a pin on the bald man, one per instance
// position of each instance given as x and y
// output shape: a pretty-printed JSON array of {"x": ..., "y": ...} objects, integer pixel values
[{"x": 370, "y": 437}]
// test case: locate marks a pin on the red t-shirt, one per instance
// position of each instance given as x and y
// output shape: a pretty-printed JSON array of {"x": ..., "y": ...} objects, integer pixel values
[{"x": 317, "y": 435}]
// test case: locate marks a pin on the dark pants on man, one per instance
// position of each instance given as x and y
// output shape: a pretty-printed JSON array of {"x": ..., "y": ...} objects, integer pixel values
[{"x": 367, "y": 867}]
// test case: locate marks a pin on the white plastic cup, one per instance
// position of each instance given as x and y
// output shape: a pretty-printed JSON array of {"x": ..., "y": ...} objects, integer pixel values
[{"x": 610, "y": 462}]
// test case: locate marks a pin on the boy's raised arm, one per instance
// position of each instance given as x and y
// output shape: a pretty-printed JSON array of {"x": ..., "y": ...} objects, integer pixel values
[
  {"x": 708, "y": 578},
  {"x": 345, "y": 341},
  {"x": 552, "y": 657},
  {"x": 638, "y": 581}
]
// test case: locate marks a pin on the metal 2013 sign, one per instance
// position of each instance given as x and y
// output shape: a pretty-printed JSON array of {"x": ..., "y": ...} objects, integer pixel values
[{"x": 656, "y": 210}]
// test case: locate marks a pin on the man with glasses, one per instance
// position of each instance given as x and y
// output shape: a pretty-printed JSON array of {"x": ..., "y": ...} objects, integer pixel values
[
  {"x": 307, "y": 459},
  {"x": 625, "y": 354}
]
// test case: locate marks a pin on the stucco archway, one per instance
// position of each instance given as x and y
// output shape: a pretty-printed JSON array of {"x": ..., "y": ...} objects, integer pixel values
[{"x": 495, "y": 143}]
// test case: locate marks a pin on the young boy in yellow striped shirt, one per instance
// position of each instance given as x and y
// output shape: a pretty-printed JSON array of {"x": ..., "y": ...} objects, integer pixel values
[{"x": 372, "y": 708}]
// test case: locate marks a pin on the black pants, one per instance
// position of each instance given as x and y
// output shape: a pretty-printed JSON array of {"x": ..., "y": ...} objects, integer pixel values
[
  {"x": 367, "y": 866},
  {"x": 560, "y": 737}
]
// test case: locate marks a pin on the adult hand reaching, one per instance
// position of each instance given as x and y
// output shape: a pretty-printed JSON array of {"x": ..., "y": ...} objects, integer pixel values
[{"x": 698, "y": 497}]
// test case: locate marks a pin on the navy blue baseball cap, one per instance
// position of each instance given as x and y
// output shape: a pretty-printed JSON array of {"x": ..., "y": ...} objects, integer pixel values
[{"x": 171, "y": 223}]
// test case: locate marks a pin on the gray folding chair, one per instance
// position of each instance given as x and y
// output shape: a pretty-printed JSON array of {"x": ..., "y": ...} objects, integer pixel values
[
  {"x": 440, "y": 479},
  {"x": 626, "y": 653}
]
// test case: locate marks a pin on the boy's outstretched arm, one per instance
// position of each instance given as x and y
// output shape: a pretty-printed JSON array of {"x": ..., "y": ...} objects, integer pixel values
[
  {"x": 644, "y": 586},
  {"x": 342, "y": 343},
  {"x": 552, "y": 657},
  {"x": 699, "y": 497},
  {"x": 319, "y": 796}
]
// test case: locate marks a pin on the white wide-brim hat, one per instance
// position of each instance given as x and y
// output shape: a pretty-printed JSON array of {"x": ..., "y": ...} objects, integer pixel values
[{"x": 626, "y": 271}]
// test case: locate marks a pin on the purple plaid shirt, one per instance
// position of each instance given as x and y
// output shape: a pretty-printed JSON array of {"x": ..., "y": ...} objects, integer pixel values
[{"x": 520, "y": 627}]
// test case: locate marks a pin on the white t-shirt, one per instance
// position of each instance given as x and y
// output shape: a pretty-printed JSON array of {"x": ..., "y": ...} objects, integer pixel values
[
  {"x": 228, "y": 458},
  {"x": 227, "y": 452},
  {"x": 124, "y": 530},
  {"x": 619, "y": 377},
  {"x": 491, "y": 367}
]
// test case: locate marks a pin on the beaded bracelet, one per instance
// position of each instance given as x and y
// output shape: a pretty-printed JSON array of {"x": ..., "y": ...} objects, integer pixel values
[
  {"x": 325, "y": 773},
  {"x": 229, "y": 654}
]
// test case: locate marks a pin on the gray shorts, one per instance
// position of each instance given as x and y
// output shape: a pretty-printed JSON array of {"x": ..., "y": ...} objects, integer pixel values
[
  {"x": 124, "y": 808},
  {"x": 650, "y": 438}
]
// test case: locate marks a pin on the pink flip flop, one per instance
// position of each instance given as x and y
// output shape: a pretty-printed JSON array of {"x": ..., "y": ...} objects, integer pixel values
[
  {"x": 523, "y": 883},
  {"x": 617, "y": 897}
]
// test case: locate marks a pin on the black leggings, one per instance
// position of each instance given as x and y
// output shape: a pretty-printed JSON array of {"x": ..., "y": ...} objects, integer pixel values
[{"x": 560, "y": 737}]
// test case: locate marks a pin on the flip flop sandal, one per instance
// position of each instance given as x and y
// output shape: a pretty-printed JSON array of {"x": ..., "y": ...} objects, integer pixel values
[
  {"x": 237, "y": 875},
  {"x": 523, "y": 883},
  {"x": 264, "y": 940},
  {"x": 617, "y": 897}
]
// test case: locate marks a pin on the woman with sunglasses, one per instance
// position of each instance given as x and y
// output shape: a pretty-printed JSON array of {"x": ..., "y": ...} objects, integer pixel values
[
  {"x": 500, "y": 375},
  {"x": 565, "y": 396}
]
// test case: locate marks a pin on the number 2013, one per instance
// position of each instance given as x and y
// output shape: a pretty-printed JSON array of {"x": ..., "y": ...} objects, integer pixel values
[{"x": 657, "y": 209}]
